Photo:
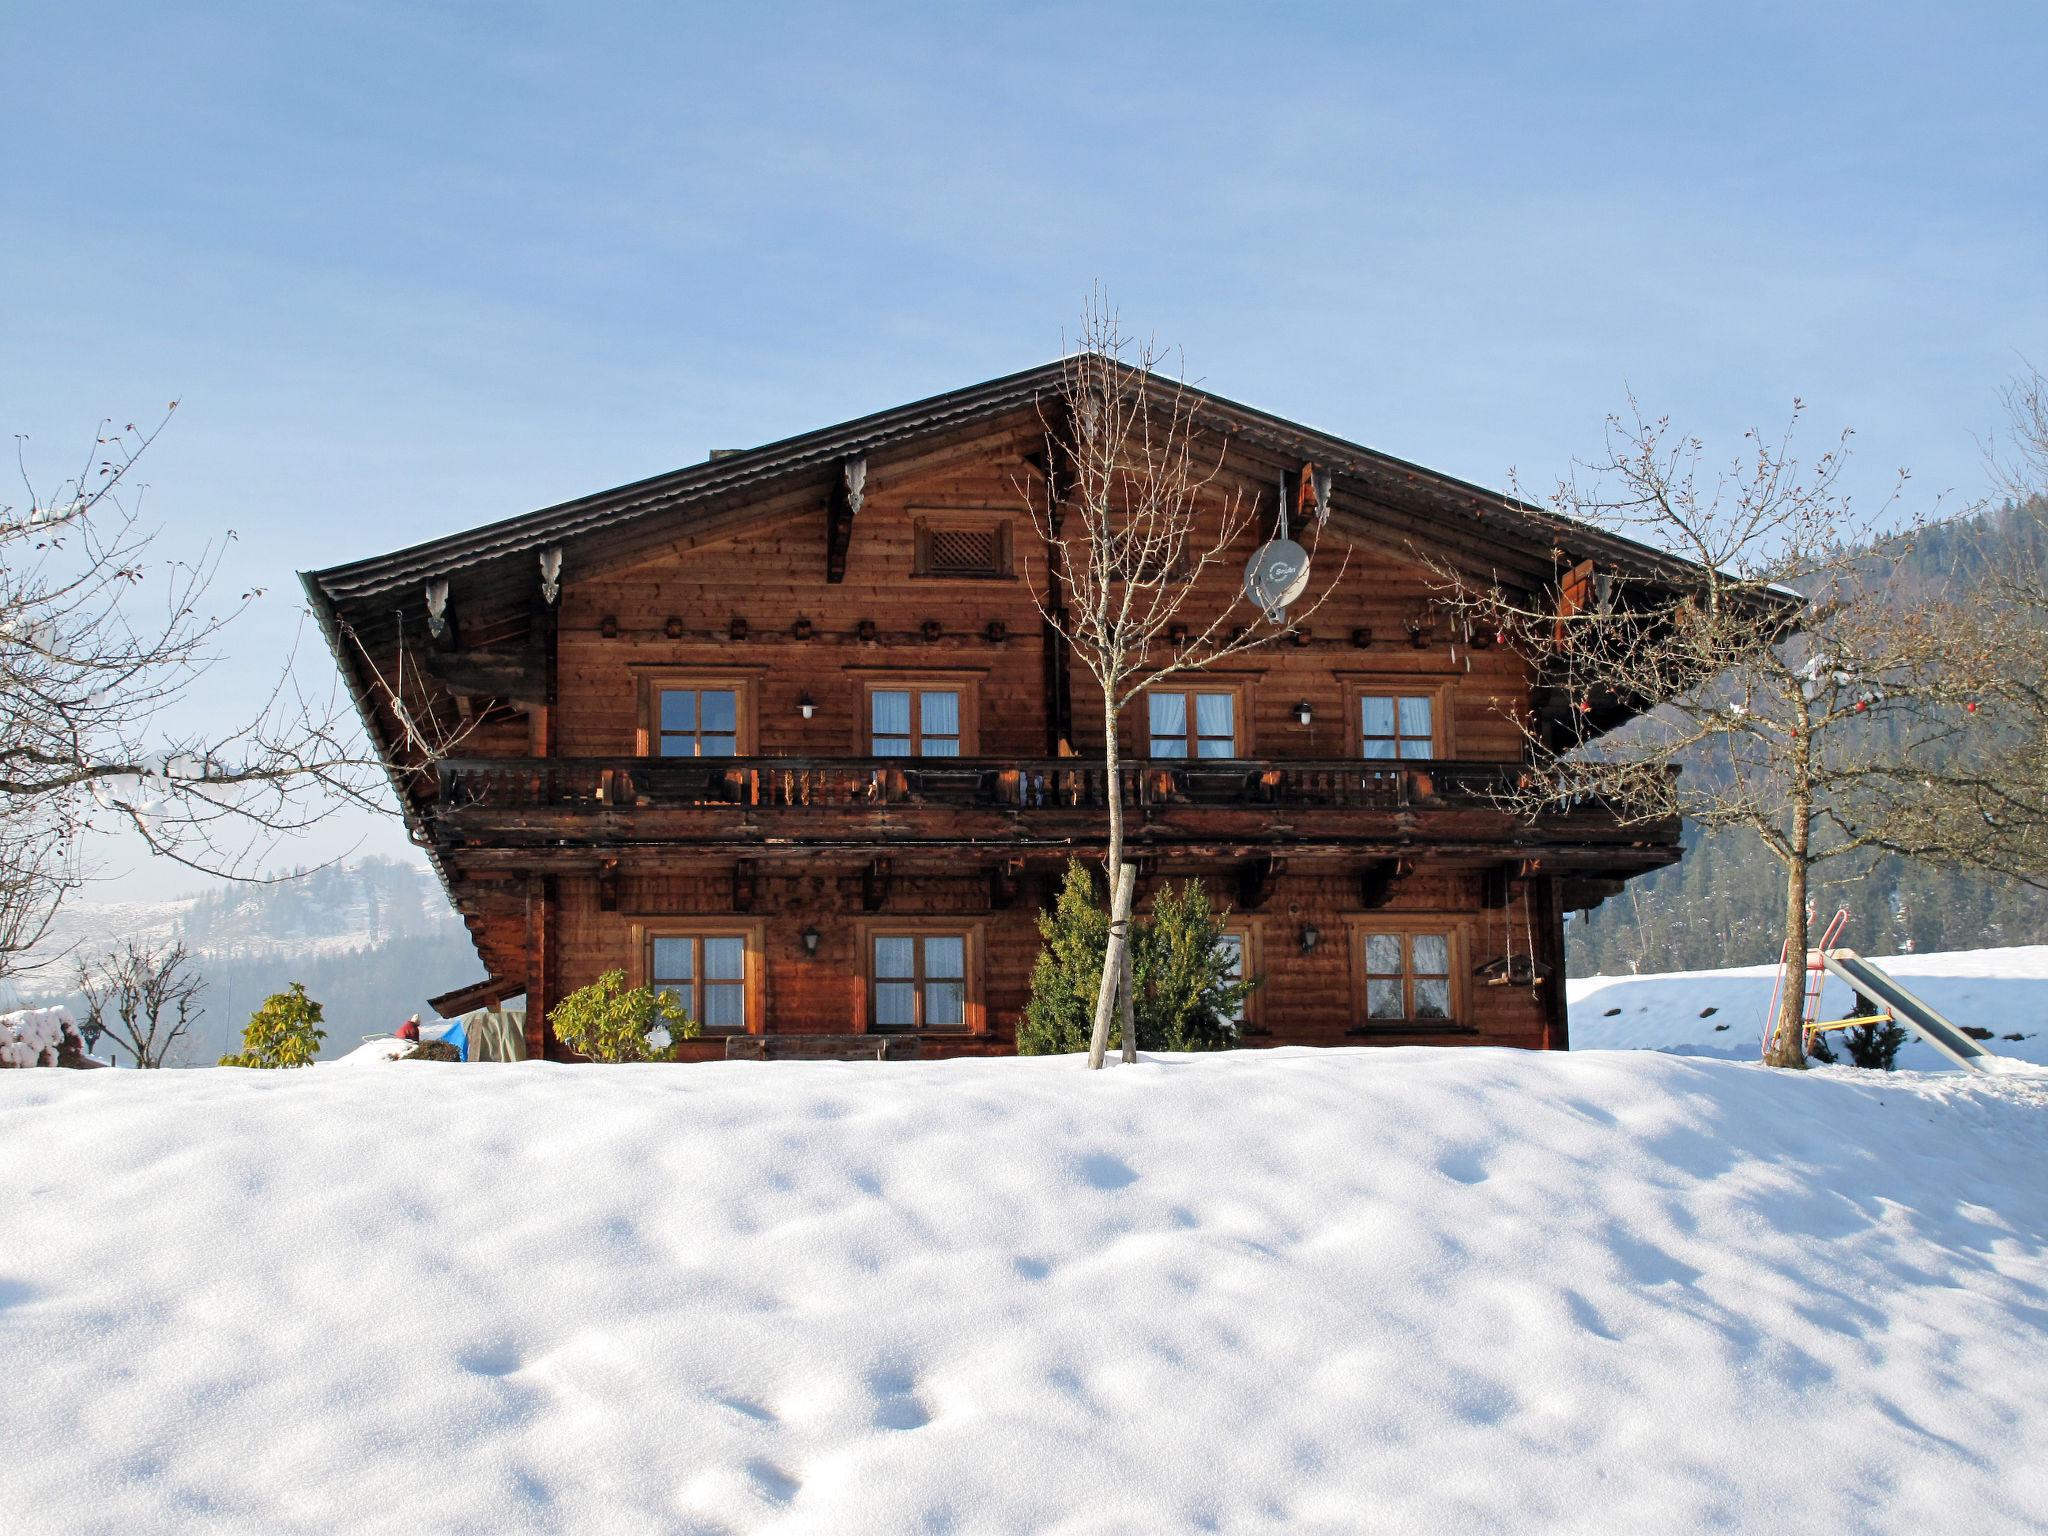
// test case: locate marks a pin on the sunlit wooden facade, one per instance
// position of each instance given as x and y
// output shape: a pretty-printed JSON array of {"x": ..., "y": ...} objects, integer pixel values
[{"x": 786, "y": 733}]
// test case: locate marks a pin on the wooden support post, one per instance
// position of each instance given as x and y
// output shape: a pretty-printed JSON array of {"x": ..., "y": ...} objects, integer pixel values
[
  {"x": 545, "y": 627},
  {"x": 1549, "y": 924},
  {"x": 608, "y": 886},
  {"x": 745, "y": 885},
  {"x": 1056, "y": 466},
  {"x": 540, "y": 969}
]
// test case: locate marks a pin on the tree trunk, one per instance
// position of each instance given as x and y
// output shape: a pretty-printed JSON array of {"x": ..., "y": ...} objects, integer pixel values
[
  {"x": 1113, "y": 962},
  {"x": 1787, "y": 1045},
  {"x": 1127, "y": 985},
  {"x": 1122, "y": 879}
]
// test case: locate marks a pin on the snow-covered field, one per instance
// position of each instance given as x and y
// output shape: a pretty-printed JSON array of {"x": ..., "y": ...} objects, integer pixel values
[
  {"x": 1721, "y": 1013},
  {"x": 1398, "y": 1290}
]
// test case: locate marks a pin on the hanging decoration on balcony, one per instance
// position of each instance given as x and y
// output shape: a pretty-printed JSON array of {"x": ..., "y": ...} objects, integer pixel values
[{"x": 1278, "y": 571}]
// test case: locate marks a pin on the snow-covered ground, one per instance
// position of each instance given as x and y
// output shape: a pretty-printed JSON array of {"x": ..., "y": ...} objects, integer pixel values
[
  {"x": 1397, "y": 1290},
  {"x": 1721, "y": 1013}
]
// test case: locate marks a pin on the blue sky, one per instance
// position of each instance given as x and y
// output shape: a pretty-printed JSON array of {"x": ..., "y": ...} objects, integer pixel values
[{"x": 414, "y": 267}]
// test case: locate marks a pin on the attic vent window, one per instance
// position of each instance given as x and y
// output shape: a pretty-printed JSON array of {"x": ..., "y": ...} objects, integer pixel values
[{"x": 963, "y": 550}]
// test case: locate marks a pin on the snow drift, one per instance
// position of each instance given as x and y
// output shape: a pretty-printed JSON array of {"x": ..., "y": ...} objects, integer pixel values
[
  {"x": 1721, "y": 1013},
  {"x": 1400, "y": 1290}
]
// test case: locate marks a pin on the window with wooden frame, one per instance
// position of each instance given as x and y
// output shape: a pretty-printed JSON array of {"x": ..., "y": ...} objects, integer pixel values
[
  {"x": 911, "y": 716},
  {"x": 923, "y": 976},
  {"x": 1196, "y": 721},
  {"x": 712, "y": 970},
  {"x": 962, "y": 548},
  {"x": 1400, "y": 720},
  {"x": 1408, "y": 970},
  {"x": 1236, "y": 944},
  {"x": 696, "y": 714}
]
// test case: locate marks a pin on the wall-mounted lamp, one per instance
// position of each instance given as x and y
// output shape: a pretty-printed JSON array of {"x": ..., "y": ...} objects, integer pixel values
[
  {"x": 1304, "y": 714},
  {"x": 805, "y": 707},
  {"x": 810, "y": 941},
  {"x": 1311, "y": 936}
]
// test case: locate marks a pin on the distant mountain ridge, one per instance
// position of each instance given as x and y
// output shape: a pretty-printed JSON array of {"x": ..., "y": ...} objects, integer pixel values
[{"x": 372, "y": 940}]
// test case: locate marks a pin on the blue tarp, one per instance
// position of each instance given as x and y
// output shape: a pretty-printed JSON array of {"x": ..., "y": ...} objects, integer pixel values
[{"x": 451, "y": 1031}]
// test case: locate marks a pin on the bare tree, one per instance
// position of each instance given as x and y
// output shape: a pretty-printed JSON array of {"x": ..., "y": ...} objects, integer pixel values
[
  {"x": 1792, "y": 671},
  {"x": 1986, "y": 807},
  {"x": 1137, "y": 517},
  {"x": 144, "y": 996},
  {"x": 102, "y": 641}
]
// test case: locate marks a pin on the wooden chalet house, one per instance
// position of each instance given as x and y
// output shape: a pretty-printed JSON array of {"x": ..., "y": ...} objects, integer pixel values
[{"x": 785, "y": 732}]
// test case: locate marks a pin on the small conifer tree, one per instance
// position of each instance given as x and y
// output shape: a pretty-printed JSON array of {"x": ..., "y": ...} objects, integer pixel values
[
  {"x": 284, "y": 1032},
  {"x": 1184, "y": 998},
  {"x": 1869, "y": 1045},
  {"x": 609, "y": 1021},
  {"x": 1183, "y": 975},
  {"x": 1876, "y": 1045},
  {"x": 1064, "y": 979}
]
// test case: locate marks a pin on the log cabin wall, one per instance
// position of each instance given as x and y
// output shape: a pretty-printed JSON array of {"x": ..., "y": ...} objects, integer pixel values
[
  {"x": 744, "y": 597},
  {"x": 1313, "y": 998},
  {"x": 770, "y": 581},
  {"x": 1376, "y": 625}
]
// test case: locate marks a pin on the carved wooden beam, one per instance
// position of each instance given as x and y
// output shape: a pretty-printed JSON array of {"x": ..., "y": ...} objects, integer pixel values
[
  {"x": 1376, "y": 881},
  {"x": 547, "y": 631},
  {"x": 746, "y": 885},
  {"x": 848, "y": 491},
  {"x": 440, "y": 619},
  {"x": 875, "y": 883},
  {"x": 1255, "y": 882},
  {"x": 1002, "y": 884},
  {"x": 1582, "y": 893},
  {"x": 1058, "y": 467},
  {"x": 479, "y": 994},
  {"x": 608, "y": 886},
  {"x": 515, "y": 673}
]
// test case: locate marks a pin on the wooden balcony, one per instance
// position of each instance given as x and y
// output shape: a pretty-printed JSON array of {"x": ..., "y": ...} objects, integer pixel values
[{"x": 877, "y": 804}]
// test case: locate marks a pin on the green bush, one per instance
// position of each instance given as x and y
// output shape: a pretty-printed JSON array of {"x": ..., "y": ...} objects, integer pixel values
[
  {"x": 609, "y": 1021},
  {"x": 1869, "y": 1045},
  {"x": 284, "y": 1032},
  {"x": 1184, "y": 999}
]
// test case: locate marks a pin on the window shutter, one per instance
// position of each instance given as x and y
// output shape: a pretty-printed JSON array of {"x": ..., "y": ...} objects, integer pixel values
[{"x": 964, "y": 552}]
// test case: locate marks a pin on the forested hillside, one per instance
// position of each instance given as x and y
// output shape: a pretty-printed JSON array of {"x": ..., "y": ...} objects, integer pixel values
[{"x": 1721, "y": 904}]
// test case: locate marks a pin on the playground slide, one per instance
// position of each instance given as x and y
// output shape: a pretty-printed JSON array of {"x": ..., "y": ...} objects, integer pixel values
[{"x": 1908, "y": 1009}]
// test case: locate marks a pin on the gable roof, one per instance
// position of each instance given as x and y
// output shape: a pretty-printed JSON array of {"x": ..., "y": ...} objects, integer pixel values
[{"x": 1513, "y": 526}]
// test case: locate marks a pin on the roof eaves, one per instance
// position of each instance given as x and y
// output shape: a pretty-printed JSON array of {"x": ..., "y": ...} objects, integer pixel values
[{"x": 696, "y": 482}]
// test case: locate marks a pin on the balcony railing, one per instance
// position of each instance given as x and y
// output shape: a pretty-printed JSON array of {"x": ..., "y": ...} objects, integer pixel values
[{"x": 1001, "y": 784}]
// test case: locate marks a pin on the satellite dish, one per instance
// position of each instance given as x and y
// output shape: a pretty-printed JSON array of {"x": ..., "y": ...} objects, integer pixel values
[{"x": 1276, "y": 575}]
